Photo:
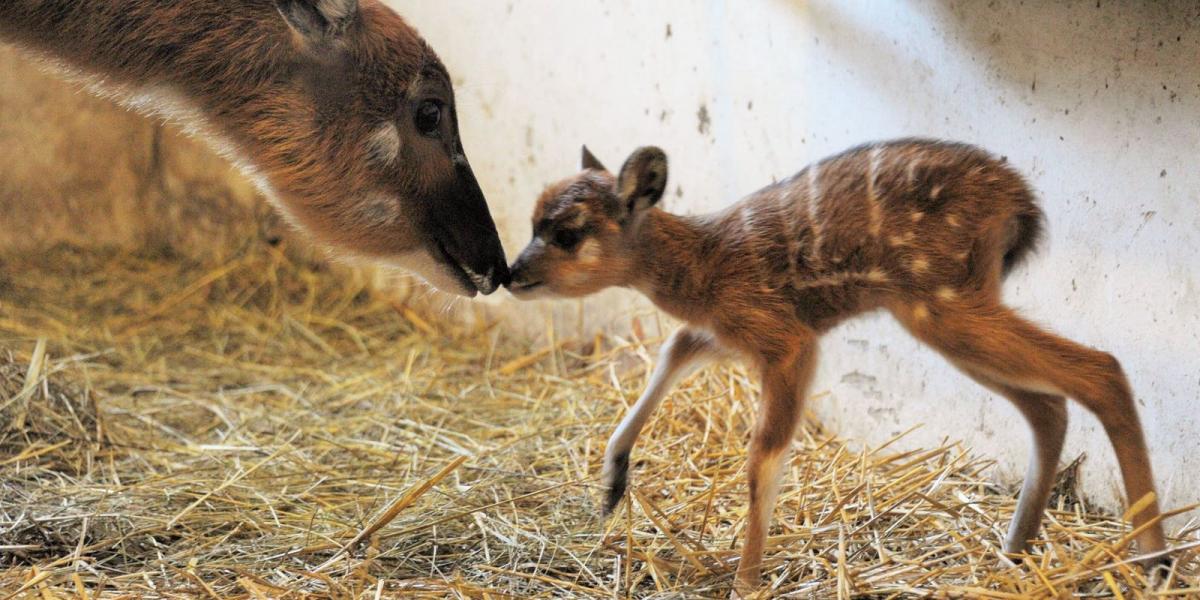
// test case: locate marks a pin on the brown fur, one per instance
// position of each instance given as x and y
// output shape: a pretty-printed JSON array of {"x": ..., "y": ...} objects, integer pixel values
[
  {"x": 923, "y": 229},
  {"x": 298, "y": 106}
]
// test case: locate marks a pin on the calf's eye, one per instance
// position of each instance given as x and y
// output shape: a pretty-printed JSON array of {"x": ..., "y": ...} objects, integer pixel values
[{"x": 566, "y": 238}]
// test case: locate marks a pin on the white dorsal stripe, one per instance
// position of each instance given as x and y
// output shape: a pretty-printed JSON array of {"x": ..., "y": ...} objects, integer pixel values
[
  {"x": 795, "y": 222},
  {"x": 814, "y": 208},
  {"x": 874, "y": 210},
  {"x": 876, "y": 276}
]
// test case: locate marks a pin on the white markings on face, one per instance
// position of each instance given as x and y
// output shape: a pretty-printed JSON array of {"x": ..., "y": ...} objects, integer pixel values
[
  {"x": 383, "y": 146},
  {"x": 589, "y": 252},
  {"x": 483, "y": 282},
  {"x": 378, "y": 210}
]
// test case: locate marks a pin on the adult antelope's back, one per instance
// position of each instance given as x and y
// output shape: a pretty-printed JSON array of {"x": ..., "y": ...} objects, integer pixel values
[
  {"x": 341, "y": 113},
  {"x": 923, "y": 229}
]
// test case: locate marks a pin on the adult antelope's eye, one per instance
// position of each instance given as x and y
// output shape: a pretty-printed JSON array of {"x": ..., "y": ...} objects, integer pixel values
[
  {"x": 428, "y": 117},
  {"x": 566, "y": 238}
]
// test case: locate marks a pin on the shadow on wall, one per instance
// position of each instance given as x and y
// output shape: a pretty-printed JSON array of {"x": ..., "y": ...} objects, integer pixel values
[
  {"x": 1042, "y": 54},
  {"x": 82, "y": 170},
  {"x": 1007, "y": 34}
]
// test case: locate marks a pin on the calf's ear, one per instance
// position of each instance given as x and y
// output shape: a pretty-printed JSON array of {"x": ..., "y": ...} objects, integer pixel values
[
  {"x": 643, "y": 179},
  {"x": 590, "y": 161}
]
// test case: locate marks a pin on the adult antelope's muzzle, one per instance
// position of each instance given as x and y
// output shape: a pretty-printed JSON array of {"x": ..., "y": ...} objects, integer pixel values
[{"x": 468, "y": 234}]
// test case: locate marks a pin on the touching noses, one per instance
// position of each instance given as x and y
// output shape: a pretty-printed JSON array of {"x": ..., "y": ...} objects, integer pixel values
[
  {"x": 516, "y": 271},
  {"x": 519, "y": 271}
]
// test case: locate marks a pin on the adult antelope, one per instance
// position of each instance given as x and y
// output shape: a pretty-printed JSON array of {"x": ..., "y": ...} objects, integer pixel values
[
  {"x": 340, "y": 112},
  {"x": 923, "y": 229}
]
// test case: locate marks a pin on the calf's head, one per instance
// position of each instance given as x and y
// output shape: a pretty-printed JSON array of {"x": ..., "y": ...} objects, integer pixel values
[
  {"x": 356, "y": 135},
  {"x": 585, "y": 228}
]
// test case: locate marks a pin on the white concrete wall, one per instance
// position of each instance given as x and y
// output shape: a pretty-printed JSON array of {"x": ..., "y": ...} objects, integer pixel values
[{"x": 1098, "y": 105}]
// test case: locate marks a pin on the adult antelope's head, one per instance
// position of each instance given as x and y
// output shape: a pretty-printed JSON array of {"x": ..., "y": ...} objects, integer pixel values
[{"x": 354, "y": 133}]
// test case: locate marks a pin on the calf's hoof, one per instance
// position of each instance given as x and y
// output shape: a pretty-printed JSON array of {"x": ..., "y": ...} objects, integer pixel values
[{"x": 616, "y": 480}]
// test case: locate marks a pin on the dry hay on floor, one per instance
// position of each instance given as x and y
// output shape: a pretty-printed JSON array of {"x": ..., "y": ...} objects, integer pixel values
[{"x": 263, "y": 429}]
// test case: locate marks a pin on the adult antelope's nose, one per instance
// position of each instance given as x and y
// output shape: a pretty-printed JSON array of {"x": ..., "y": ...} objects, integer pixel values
[{"x": 471, "y": 234}]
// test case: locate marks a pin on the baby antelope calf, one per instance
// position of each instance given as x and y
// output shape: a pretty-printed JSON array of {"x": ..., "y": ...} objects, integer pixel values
[{"x": 923, "y": 229}]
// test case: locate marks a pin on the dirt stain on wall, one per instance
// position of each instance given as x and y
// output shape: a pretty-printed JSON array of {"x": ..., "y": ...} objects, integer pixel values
[{"x": 705, "y": 122}]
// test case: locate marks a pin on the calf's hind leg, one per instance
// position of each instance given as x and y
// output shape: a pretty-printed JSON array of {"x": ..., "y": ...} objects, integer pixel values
[
  {"x": 991, "y": 340},
  {"x": 1047, "y": 418}
]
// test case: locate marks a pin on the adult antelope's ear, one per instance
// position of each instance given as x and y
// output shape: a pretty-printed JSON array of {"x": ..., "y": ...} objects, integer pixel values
[
  {"x": 318, "y": 20},
  {"x": 643, "y": 179},
  {"x": 590, "y": 161}
]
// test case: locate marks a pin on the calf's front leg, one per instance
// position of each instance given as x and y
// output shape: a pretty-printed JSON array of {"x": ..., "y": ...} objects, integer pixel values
[{"x": 687, "y": 350}]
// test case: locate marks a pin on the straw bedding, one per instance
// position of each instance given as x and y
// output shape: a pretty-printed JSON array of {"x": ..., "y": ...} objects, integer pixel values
[{"x": 262, "y": 427}]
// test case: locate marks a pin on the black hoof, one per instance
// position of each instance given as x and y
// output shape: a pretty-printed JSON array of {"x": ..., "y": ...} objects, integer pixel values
[
  {"x": 618, "y": 484},
  {"x": 1161, "y": 565}
]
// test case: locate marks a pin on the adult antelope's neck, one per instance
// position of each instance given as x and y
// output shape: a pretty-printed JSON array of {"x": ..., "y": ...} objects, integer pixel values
[{"x": 208, "y": 51}]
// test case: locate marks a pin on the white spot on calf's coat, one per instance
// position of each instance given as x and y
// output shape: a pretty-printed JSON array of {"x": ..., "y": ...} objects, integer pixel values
[
  {"x": 920, "y": 265},
  {"x": 946, "y": 293},
  {"x": 920, "y": 312}
]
